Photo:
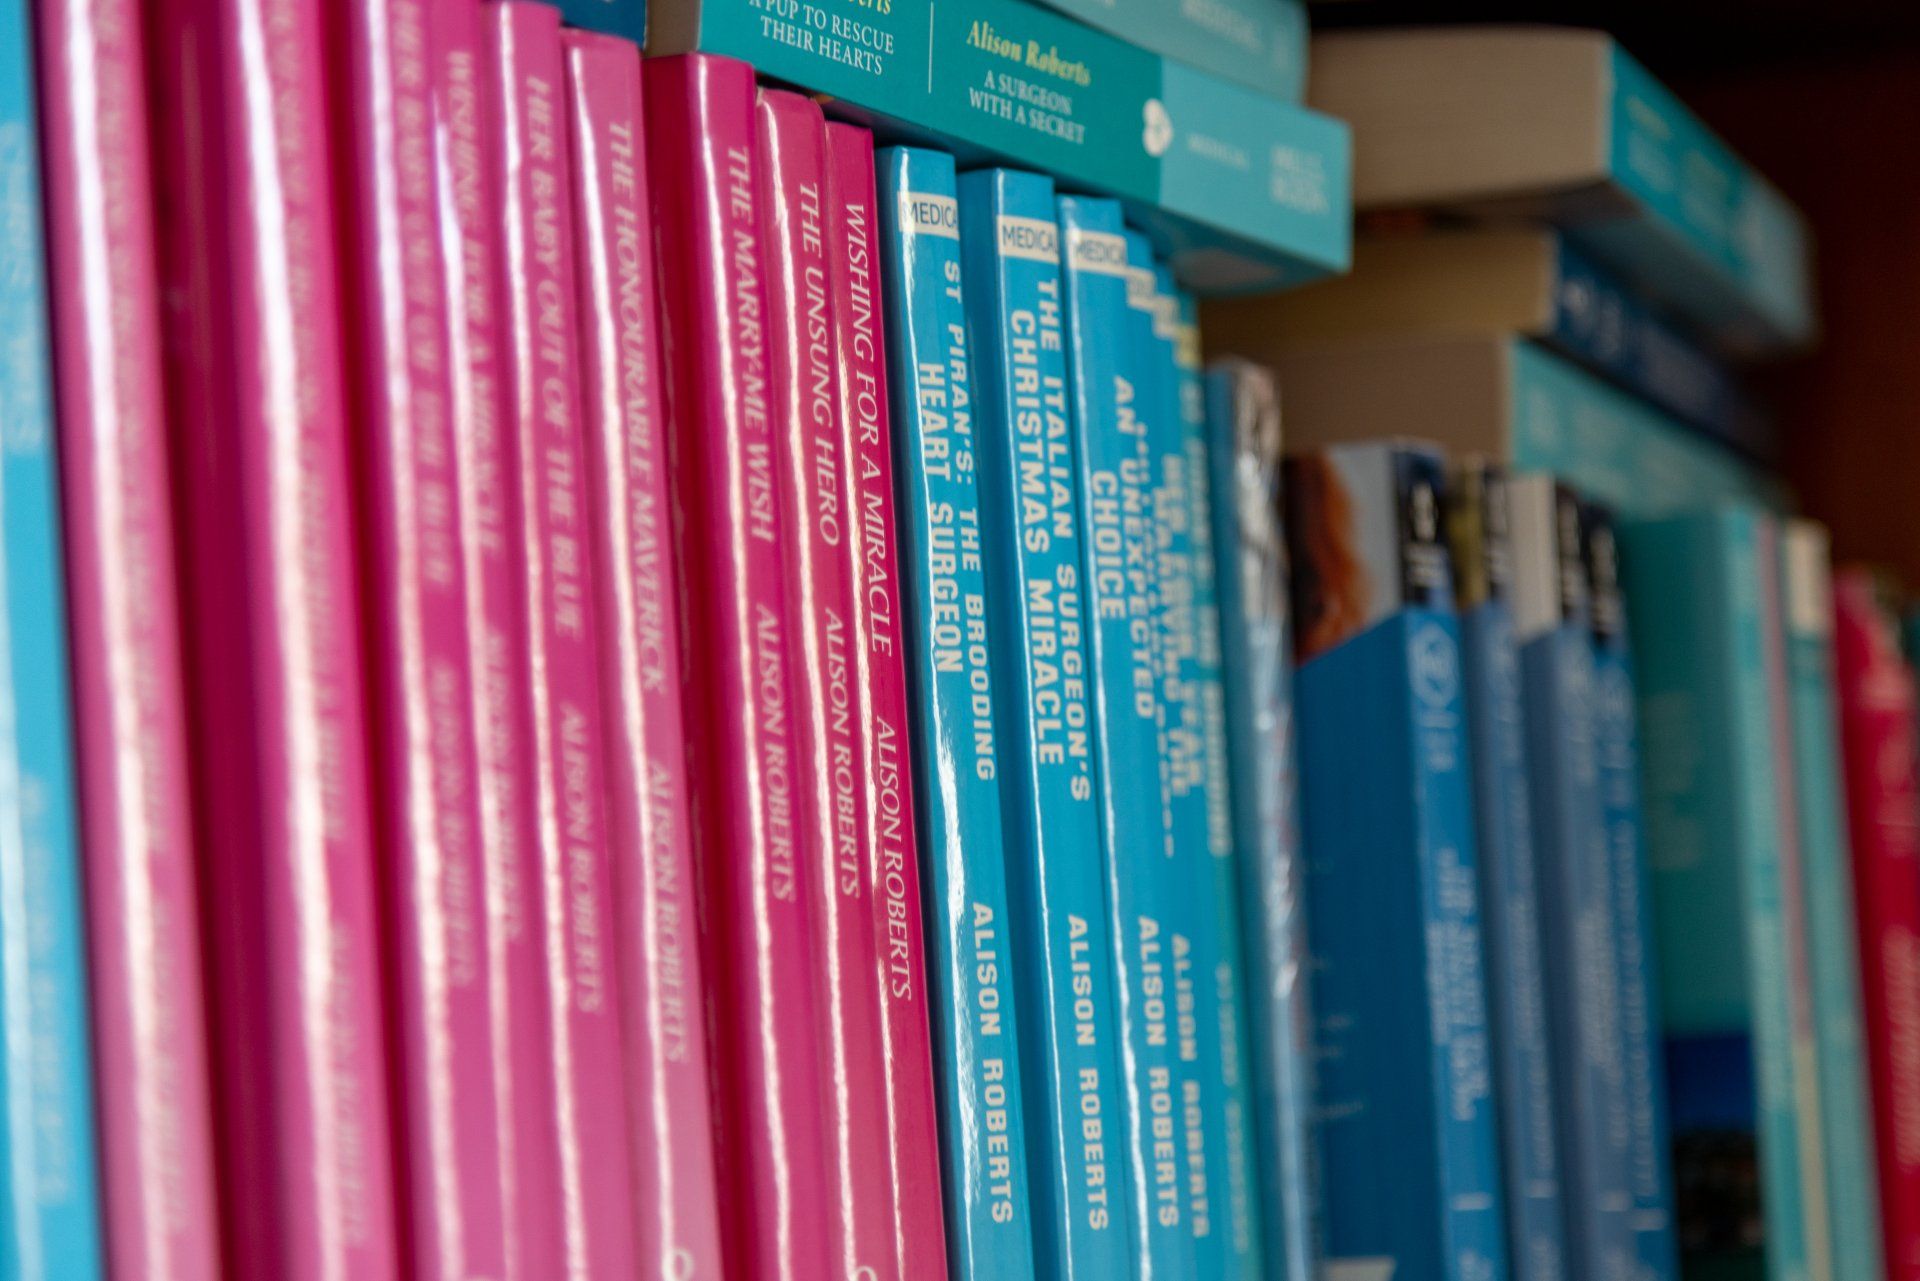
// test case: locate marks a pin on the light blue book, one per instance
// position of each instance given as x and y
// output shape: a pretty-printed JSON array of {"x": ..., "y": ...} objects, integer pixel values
[
  {"x": 1481, "y": 537},
  {"x": 1617, "y": 750},
  {"x": 49, "y": 1186},
  {"x": 1037, "y": 624},
  {"x": 1220, "y": 942},
  {"x": 1405, "y": 1084},
  {"x": 1700, "y": 596},
  {"x": 956, "y": 739},
  {"x": 626, "y": 18},
  {"x": 1826, "y": 874},
  {"x": 1261, "y": 44},
  {"x": 1113, "y": 469},
  {"x": 1592, "y": 1125},
  {"x": 1250, "y": 556}
]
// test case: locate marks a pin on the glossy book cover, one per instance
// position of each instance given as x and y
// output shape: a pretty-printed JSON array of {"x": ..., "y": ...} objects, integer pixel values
[
  {"x": 955, "y": 733},
  {"x": 1037, "y": 627},
  {"x": 1406, "y": 1091},
  {"x": 130, "y": 707},
  {"x": 1113, "y": 471},
  {"x": 258, "y": 404},
  {"x": 892, "y": 843},
  {"x": 775, "y": 1193},
  {"x": 662, "y": 982}
]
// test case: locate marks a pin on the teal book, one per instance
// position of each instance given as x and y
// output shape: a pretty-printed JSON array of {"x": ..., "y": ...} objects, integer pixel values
[
  {"x": 955, "y": 731},
  {"x": 1700, "y": 593},
  {"x": 1250, "y": 555},
  {"x": 1037, "y": 624},
  {"x": 1827, "y": 896},
  {"x": 49, "y": 1186},
  {"x": 1241, "y": 190},
  {"x": 1261, "y": 44},
  {"x": 625, "y": 18},
  {"x": 1111, "y": 401},
  {"x": 1616, "y": 722}
]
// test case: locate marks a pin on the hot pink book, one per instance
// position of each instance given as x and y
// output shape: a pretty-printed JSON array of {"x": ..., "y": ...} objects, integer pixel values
[
  {"x": 415, "y": 589},
  {"x": 815, "y": 533},
  {"x": 567, "y": 878},
  {"x": 880, "y": 673},
  {"x": 272, "y": 622},
  {"x": 143, "y": 917},
  {"x": 489, "y": 513},
  {"x": 721, "y": 403},
  {"x": 669, "y": 1116}
]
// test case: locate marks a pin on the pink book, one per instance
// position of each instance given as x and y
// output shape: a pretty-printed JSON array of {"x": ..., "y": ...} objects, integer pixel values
[
  {"x": 272, "y": 622},
  {"x": 143, "y": 918},
  {"x": 567, "y": 874},
  {"x": 414, "y": 576},
  {"x": 814, "y": 513},
  {"x": 676, "y": 1212},
  {"x": 880, "y": 674},
  {"x": 721, "y": 450},
  {"x": 489, "y": 512}
]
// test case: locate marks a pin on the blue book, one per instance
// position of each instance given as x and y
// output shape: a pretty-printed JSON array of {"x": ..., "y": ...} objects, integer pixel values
[
  {"x": 1552, "y": 621},
  {"x": 1037, "y": 628},
  {"x": 1113, "y": 467},
  {"x": 1261, "y": 44},
  {"x": 1250, "y": 557},
  {"x": 1617, "y": 752},
  {"x": 49, "y": 1186},
  {"x": 1406, "y": 1092},
  {"x": 1219, "y": 943},
  {"x": 626, "y": 18},
  {"x": 1480, "y": 534},
  {"x": 976, "y": 1041},
  {"x": 1826, "y": 874}
]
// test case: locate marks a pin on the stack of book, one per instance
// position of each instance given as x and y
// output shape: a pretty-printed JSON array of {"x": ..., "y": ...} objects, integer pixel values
[{"x": 680, "y": 667}]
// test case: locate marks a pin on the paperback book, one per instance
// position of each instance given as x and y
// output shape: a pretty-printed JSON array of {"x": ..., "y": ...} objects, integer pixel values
[
  {"x": 955, "y": 734},
  {"x": 624, "y": 18},
  {"x": 1405, "y": 1086},
  {"x": 1480, "y": 536},
  {"x": 1037, "y": 626},
  {"x": 1261, "y": 44}
]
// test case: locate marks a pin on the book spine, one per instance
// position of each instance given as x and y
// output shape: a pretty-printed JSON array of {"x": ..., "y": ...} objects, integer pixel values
[
  {"x": 1114, "y": 467},
  {"x": 567, "y": 864},
  {"x": 738, "y": 698},
  {"x": 273, "y": 634},
  {"x": 1243, "y": 470},
  {"x": 1877, "y": 712},
  {"x": 50, "y": 1193},
  {"x": 143, "y": 916},
  {"x": 423, "y": 731},
  {"x": 624, "y": 18},
  {"x": 893, "y": 868},
  {"x": 1509, "y": 886},
  {"x": 976, "y": 1038},
  {"x": 489, "y": 511},
  {"x": 662, "y": 985},
  {"x": 1010, "y": 245},
  {"x": 1220, "y": 943},
  {"x": 818, "y": 574},
  {"x": 1617, "y": 757},
  {"x": 1827, "y": 889},
  {"x": 1261, "y": 44}
]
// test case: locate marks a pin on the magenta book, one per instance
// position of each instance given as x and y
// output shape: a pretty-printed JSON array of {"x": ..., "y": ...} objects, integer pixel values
[
  {"x": 880, "y": 673},
  {"x": 669, "y": 1116},
  {"x": 566, "y": 877},
  {"x": 721, "y": 402},
  {"x": 523, "y": 1071},
  {"x": 272, "y": 624},
  {"x": 815, "y": 536},
  {"x": 414, "y": 587},
  {"x": 143, "y": 918}
]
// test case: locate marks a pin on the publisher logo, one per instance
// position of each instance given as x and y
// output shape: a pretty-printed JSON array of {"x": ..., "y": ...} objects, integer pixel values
[
  {"x": 1097, "y": 251},
  {"x": 930, "y": 215},
  {"x": 1034, "y": 239},
  {"x": 1436, "y": 667},
  {"x": 1158, "y": 135}
]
